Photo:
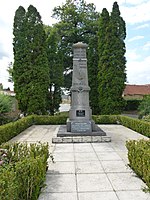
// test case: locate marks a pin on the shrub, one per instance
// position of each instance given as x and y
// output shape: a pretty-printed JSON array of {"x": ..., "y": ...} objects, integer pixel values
[
  {"x": 5, "y": 107},
  {"x": 137, "y": 125},
  {"x": 10, "y": 130},
  {"x": 47, "y": 120},
  {"x": 8, "y": 183},
  {"x": 105, "y": 119},
  {"x": 30, "y": 174},
  {"x": 5, "y": 103},
  {"x": 146, "y": 118},
  {"x": 139, "y": 158},
  {"x": 144, "y": 107},
  {"x": 24, "y": 174}
]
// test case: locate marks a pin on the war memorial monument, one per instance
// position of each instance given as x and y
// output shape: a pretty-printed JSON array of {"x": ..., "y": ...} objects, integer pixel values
[{"x": 79, "y": 126}]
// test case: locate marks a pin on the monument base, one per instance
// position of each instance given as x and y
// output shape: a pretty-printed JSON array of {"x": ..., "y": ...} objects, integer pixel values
[
  {"x": 63, "y": 136},
  {"x": 80, "y": 128},
  {"x": 62, "y": 132}
]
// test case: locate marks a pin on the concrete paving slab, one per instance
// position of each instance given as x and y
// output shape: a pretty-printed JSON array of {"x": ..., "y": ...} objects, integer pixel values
[
  {"x": 133, "y": 195},
  {"x": 89, "y": 167},
  {"x": 64, "y": 148},
  {"x": 108, "y": 155},
  {"x": 63, "y": 156},
  {"x": 88, "y": 156},
  {"x": 58, "y": 196},
  {"x": 115, "y": 166},
  {"x": 125, "y": 181},
  {"x": 98, "y": 196},
  {"x": 83, "y": 147},
  {"x": 64, "y": 183},
  {"x": 61, "y": 168},
  {"x": 89, "y": 171},
  {"x": 102, "y": 147},
  {"x": 93, "y": 183}
]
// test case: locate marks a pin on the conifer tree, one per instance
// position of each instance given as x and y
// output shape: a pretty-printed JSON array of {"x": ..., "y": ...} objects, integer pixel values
[
  {"x": 111, "y": 76},
  {"x": 31, "y": 70},
  {"x": 92, "y": 62},
  {"x": 56, "y": 69}
]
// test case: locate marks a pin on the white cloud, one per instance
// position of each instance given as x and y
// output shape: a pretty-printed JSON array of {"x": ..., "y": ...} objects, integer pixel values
[
  {"x": 3, "y": 72},
  {"x": 135, "y": 2},
  {"x": 138, "y": 37},
  {"x": 142, "y": 26},
  {"x": 136, "y": 14},
  {"x": 132, "y": 55},
  {"x": 146, "y": 47},
  {"x": 139, "y": 72},
  {"x": 133, "y": 11}
]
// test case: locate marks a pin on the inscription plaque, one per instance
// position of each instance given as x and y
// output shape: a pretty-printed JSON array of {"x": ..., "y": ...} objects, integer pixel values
[
  {"x": 79, "y": 53},
  {"x": 80, "y": 113},
  {"x": 82, "y": 64},
  {"x": 81, "y": 127}
]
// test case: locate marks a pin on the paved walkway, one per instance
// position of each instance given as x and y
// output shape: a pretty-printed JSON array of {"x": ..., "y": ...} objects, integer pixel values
[{"x": 89, "y": 171}]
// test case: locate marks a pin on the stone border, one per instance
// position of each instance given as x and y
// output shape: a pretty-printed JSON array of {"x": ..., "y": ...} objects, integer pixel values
[{"x": 81, "y": 139}]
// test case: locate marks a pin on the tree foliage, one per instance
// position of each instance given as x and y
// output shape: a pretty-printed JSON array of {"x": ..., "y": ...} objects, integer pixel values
[
  {"x": 77, "y": 23},
  {"x": 31, "y": 70},
  {"x": 5, "y": 104},
  {"x": 92, "y": 74},
  {"x": 56, "y": 69},
  {"x": 112, "y": 75},
  {"x": 144, "y": 107}
]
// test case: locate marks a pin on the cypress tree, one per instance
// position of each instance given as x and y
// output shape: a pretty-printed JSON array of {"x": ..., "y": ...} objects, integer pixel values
[
  {"x": 112, "y": 61},
  {"x": 20, "y": 58},
  {"x": 31, "y": 73},
  {"x": 92, "y": 61},
  {"x": 56, "y": 69}
]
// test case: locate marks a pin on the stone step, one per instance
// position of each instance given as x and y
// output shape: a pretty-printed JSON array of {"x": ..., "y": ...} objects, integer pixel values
[{"x": 81, "y": 139}]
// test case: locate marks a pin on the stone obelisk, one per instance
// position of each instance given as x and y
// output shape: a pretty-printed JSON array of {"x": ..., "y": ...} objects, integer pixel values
[{"x": 80, "y": 114}]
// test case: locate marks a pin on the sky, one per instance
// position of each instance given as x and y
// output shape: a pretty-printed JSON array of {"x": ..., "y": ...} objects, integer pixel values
[{"x": 136, "y": 14}]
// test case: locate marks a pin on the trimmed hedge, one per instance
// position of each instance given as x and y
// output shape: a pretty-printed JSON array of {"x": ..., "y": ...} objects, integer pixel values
[
  {"x": 105, "y": 119},
  {"x": 12, "y": 129},
  {"x": 137, "y": 125},
  {"x": 139, "y": 158},
  {"x": 47, "y": 120},
  {"x": 23, "y": 172}
]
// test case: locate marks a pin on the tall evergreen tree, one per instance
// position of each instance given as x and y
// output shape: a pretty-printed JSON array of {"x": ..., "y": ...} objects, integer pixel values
[
  {"x": 31, "y": 70},
  {"x": 112, "y": 61},
  {"x": 56, "y": 69},
  {"x": 92, "y": 73},
  {"x": 20, "y": 58}
]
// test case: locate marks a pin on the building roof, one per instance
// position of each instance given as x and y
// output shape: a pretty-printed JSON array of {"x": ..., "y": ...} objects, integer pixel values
[{"x": 137, "y": 90}]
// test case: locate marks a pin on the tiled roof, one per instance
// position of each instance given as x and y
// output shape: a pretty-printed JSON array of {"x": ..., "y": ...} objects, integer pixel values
[{"x": 137, "y": 90}]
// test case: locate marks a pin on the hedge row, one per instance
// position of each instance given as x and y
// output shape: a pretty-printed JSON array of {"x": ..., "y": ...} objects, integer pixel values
[
  {"x": 12, "y": 129},
  {"x": 23, "y": 171},
  {"x": 105, "y": 119},
  {"x": 137, "y": 125},
  {"x": 139, "y": 158},
  {"x": 47, "y": 120}
]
